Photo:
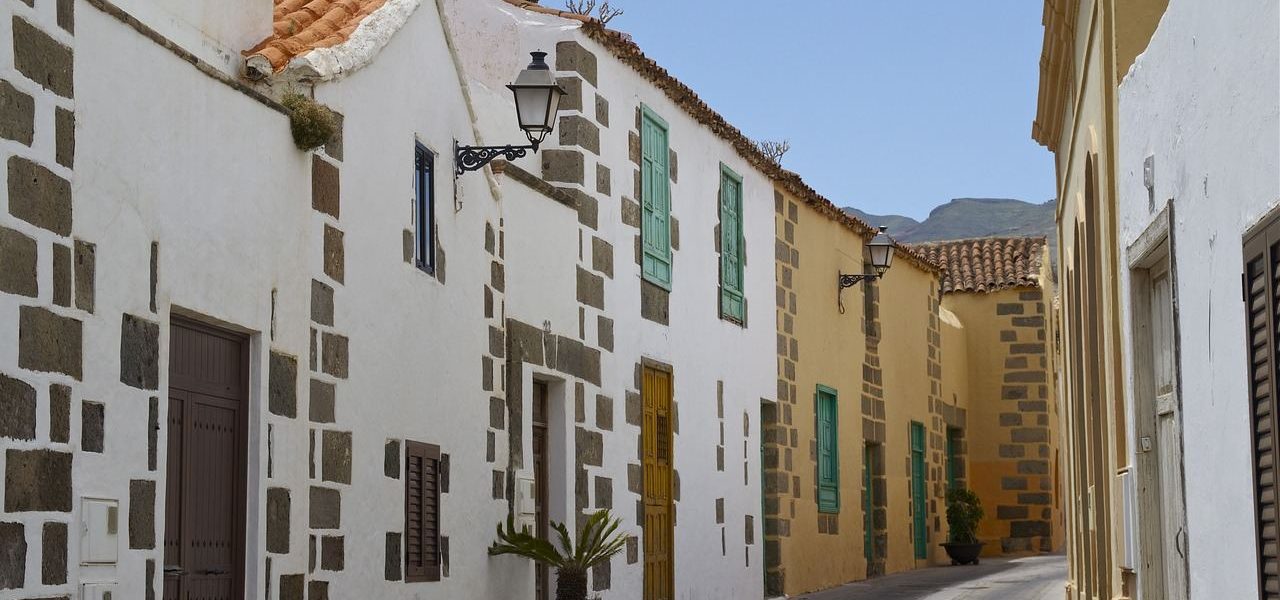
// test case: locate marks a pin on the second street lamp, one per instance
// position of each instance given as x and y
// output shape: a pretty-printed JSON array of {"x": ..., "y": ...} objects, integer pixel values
[
  {"x": 537, "y": 97},
  {"x": 880, "y": 250}
]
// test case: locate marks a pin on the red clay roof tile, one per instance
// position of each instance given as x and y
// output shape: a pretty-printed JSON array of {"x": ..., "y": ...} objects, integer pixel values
[
  {"x": 986, "y": 264},
  {"x": 300, "y": 26}
]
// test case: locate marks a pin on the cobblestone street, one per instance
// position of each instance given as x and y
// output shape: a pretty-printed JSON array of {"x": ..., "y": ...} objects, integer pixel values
[{"x": 1030, "y": 578}]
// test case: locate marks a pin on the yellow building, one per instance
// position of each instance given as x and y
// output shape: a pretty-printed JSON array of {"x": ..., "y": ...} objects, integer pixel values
[
  {"x": 996, "y": 338},
  {"x": 1088, "y": 46},
  {"x": 887, "y": 397}
]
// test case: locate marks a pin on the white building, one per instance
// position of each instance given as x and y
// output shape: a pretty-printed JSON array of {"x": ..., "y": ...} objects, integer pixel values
[
  {"x": 233, "y": 365},
  {"x": 1199, "y": 145}
]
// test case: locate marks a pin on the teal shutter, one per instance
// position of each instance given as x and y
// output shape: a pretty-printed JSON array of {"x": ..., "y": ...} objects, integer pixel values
[
  {"x": 918, "y": 508},
  {"x": 655, "y": 205},
  {"x": 731, "y": 246},
  {"x": 828, "y": 451}
]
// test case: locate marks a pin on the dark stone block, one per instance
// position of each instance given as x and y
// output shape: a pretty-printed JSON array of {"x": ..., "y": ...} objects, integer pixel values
[
  {"x": 64, "y": 133},
  {"x": 150, "y": 584},
  {"x": 39, "y": 197},
  {"x": 1026, "y": 348},
  {"x": 332, "y": 553},
  {"x": 604, "y": 412},
  {"x": 53, "y": 559},
  {"x": 18, "y": 256},
  {"x": 1030, "y": 435},
  {"x": 498, "y": 485},
  {"x": 604, "y": 333},
  {"x": 1024, "y": 377},
  {"x": 673, "y": 165},
  {"x": 278, "y": 514},
  {"x": 334, "y": 146},
  {"x": 1037, "y": 498},
  {"x": 85, "y": 266},
  {"x": 571, "y": 56},
  {"x": 497, "y": 413},
  {"x": 1037, "y": 321},
  {"x": 291, "y": 587},
  {"x": 17, "y": 114},
  {"x": 48, "y": 342},
  {"x": 572, "y": 98},
  {"x": 635, "y": 408},
  {"x": 590, "y": 289},
  {"x": 324, "y": 187},
  {"x": 1026, "y": 529},
  {"x": 1012, "y": 451},
  {"x": 576, "y": 130},
  {"x": 92, "y": 431},
  {"x": 497, "y": 276},
  {"x": 336, "y": 456},
  {"x": 139, "y": 352},
  {"x": 525, "y": 342},
  {"x": 578, "y": 360},
  {"x": 604, "y": 183},
  {"x": 333, "y": 355},
  {"x": 601, "y": 576},
  {"x": 564, "y": 166},
  {"x": 142, "y": 514},
  {"x": 1013, "y": 483},
  {"x": 325, "y": 508},
  {"x": 17, "y": 409},
  {"x": 630, "y": 212},
  {"x": 42, "y": 59},
  {"x": 391, "y": 571},
  {"x": 602, "y": 256},
  {"x": 497, "y": 342},
  {"x": 334, "y": 262},
  {"x": 1010, "y": 419},
  {"x": 59, "y": 412},
  {"x": 317, "y": 590},
  {"x": 1006, "y": 513},
  {"x": 1013, "y": 308},
  {"x": 321, "y": 303},
  {"x": 282, "y": 385},
  {"x": 37, "y": 480},
  {"x": 602, "y": 111},
  {"x": 391, "y": 459},
  {"x": 13, "y": 556},
  {"x": 589, "y": 446},
  {"x": 655, "y": 303},
  {"x": 321, "y": 408},
  {"x": 1033, "y": 467},
  {"x": 61, "y": 275}
]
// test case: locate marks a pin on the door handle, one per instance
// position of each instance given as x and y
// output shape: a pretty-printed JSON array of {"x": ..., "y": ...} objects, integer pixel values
[
  {"x": 174, "y": 571},
  {"x": 214, "y": 572},
  {"x": 1177, "y": 542}
]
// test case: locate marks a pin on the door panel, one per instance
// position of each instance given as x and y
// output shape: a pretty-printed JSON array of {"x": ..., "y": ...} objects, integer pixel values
[
  {"x": 659, "y": 565},
  {"x": 205, "y": 490},
  {"x": 1168, "y": 437},
  {"x": 540, "y": 496}
]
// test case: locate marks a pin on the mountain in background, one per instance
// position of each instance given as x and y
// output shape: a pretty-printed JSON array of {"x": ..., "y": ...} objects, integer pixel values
[{"x": 964, "y": 218}]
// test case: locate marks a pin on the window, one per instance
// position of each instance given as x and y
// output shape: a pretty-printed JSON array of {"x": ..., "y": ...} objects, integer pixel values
[
  {"x": 423, "y": 209},
  {"x": 1262, "y": 314},
  {"x": 655, "y": 205},
  {"x": 732, "y": 305},
  {"x": 828, "y": 450},
  {"x": 422, "y": 512}
]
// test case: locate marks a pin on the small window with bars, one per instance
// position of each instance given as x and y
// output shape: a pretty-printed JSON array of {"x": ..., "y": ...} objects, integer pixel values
[
  {"x": 424, "y": 252},
  {"x": 422, "y": 483}
]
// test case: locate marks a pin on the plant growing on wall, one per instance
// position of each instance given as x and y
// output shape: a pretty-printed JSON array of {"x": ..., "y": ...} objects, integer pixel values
[
  {"x": 964, "y": 511},
  {"x": 598, "y": 541},
  {"x": 312, "y": 123}
]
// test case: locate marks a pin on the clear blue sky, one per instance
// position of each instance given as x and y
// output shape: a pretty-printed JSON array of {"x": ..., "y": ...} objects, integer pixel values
[{"x": 892, "y": 106}]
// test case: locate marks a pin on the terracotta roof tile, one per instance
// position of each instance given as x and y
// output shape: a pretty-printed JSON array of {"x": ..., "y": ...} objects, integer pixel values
[
  {"x": 986, "y": 264},
  {"x": 300, "y": 26}
]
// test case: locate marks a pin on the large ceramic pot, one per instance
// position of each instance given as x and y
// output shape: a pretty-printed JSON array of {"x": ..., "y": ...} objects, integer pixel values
[{"x": 963, "y": 554}]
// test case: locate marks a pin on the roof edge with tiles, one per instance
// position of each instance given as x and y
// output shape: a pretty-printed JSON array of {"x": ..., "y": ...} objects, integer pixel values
[
  {"x": 304, "y": 45},
  {"x": 987, "y": 265},
  {"x": 629, "y": 53}
]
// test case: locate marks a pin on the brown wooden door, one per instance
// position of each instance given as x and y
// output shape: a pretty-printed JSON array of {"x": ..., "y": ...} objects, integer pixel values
[
  {"x": 540, "y": 503},
  {"x": 659, "y": 563},
  {"x": 204, "y": 538}
]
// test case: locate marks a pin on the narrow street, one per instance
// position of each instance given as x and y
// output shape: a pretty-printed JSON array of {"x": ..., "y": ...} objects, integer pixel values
[{"x": 1029, "y": 578}]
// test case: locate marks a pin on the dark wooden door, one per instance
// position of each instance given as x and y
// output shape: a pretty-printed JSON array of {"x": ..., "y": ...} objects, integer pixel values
[
  {"x": 655, "y": 432},
  {"x": 204, "y": 538},
  {"x": 540, "y": 500}
]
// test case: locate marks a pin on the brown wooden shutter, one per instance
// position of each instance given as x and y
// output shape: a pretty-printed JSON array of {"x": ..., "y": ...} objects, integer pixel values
[
  {"x": 1262, "y": 300},
  {"x": 421, "y": 512}
]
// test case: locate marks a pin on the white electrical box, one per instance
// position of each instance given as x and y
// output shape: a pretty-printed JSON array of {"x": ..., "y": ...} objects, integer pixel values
[
  {"x": 526, "y": 505},
  {"x": 98, "y": 591},
  {"x": 99, "y": 527},
  {"x": 1129, "y": 542}
]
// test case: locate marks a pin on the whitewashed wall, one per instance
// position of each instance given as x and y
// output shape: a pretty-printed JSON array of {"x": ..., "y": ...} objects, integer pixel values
[
  {"x": 1202, "y": 100},
  {"x": 494, "y": 39}
]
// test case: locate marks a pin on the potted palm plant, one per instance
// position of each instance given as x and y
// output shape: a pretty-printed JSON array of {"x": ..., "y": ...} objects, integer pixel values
[
  {"x": 598, "y": 541},
  {"x": 964, "y": 511}
]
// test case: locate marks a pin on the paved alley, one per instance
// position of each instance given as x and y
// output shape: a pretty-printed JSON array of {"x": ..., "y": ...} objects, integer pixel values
[{"x": 1029, "y": 578}]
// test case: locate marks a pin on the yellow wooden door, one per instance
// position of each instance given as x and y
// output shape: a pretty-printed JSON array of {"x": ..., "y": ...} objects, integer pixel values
[{"x": 659, "y": 571}]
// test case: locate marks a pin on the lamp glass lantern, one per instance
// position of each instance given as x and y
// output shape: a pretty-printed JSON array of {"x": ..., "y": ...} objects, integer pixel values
[
  {"x": 880, "y": 248},
  {"x": 537, "y": 98}
]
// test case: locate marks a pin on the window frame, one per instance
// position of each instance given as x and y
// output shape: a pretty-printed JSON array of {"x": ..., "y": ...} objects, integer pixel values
[
  {"x": 424, "y": 208},
  {"x": 732, "y": 292},
  {"x": 823, "y": 394},
  {"x": 427, "y": 572},
  {"x": 655, "y": 255}
]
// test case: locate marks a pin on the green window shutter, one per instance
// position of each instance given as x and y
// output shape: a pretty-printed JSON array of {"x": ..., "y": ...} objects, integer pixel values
[
  {"x": 731, "y": 245},
  {"x": 919, "y": 509},
  {"x": 655, "y": 205},
  {"x": 828, "y": 451}
]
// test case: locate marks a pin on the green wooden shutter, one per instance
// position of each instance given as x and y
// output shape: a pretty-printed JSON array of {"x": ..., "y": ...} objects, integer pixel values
[
  {"x": 731, "y": 303},
  {"x": 828, "y": 451},
  {"x": 655, "y": 205},
  {"x": 919, "y": 510}
]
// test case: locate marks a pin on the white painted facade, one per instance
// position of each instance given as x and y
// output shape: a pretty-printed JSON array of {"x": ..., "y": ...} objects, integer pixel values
[
  {"x": 1202, "y": 102},
  {"x": 166, "y": 154}
]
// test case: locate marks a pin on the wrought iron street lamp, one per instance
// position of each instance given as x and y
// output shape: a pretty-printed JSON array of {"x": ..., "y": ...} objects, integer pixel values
[
  {"x": 880, "y": 249},
  {"x": 537, "y": 98}
]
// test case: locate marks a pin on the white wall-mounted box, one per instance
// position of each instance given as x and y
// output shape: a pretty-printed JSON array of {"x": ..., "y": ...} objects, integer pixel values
[{"x": 99, "y": 527}]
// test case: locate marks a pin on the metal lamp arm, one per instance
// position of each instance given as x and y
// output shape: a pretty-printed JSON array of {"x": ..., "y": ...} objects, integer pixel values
[{"x": 847, "y": 280}]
